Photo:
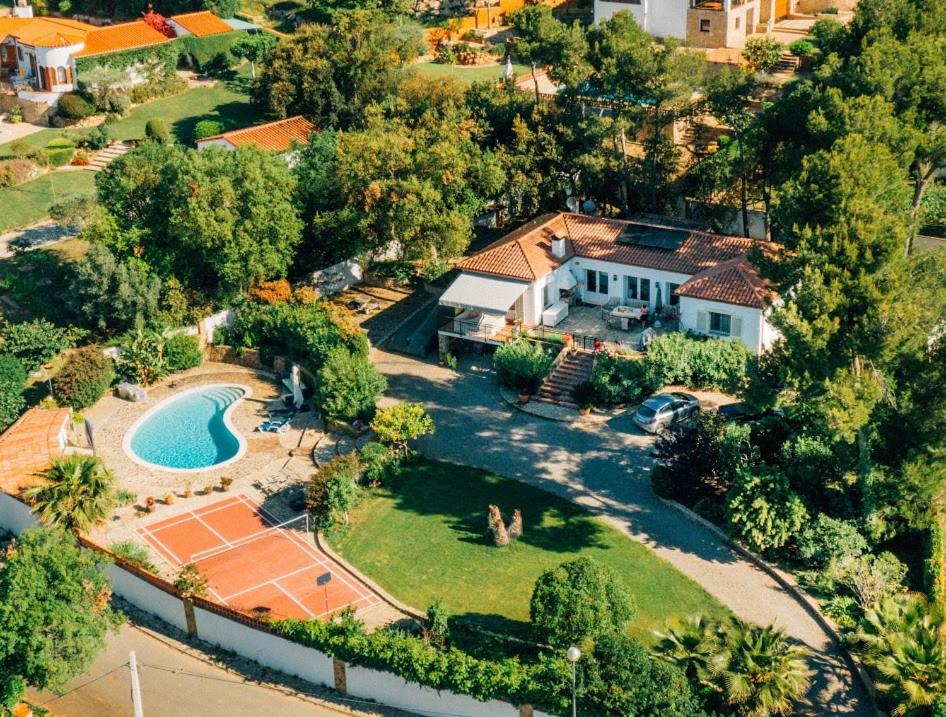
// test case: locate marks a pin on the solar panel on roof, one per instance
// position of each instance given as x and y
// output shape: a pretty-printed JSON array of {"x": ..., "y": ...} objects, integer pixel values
[{"x": 653, "y": 237}]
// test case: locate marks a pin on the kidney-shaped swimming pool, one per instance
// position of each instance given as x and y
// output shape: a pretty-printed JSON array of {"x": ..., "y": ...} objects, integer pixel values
[{"x": 189, "y": 431}]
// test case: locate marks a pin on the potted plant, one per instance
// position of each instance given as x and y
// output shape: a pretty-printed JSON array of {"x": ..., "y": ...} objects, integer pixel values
[
  {"x": 188, "y": 490},
  {"x": 208, "y": 489},
  {"x": 149, "y": 504},
  {"x": 169, "y": 499},
  {"x": 225, "y": 483},
  {"x": 567, "y": 340},
  {"x": 584, "y": 395},
  {"x": 521, "y": 365}
]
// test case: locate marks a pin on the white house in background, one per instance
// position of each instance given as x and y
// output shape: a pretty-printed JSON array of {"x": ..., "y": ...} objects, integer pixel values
[
  {"x": 702, "y": 23},
  {"x": 281, "y": 137},
  {"x": 532, "y": 274}
]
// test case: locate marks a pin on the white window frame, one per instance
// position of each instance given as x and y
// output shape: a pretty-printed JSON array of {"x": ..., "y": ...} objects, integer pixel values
[{"x": 721, "y": 319}]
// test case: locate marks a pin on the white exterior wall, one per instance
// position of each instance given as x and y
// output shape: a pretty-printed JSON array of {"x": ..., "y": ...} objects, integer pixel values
[
  {"x": 616, "y": 287},
  {"x": 148, "y": 597},
  {"x": 15, "y": 515},
  {"x": 56, "y": 57},
  {"x": 663, "y": 18},
  {"x": 770, "y": 334},
  {"x": 202, "y": 144},
  {"x": 752, "y": 321}
]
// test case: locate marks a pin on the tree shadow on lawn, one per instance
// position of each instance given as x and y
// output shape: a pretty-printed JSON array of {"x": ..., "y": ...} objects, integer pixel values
[
  {"x": 232, "y": 115},
  {"x": 37, "y": 280},
  {"x": 463, "y": 495}
]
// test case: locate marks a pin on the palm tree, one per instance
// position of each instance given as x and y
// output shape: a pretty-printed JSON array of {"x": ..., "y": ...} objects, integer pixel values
[
  {"x": 905, "y": 643},
  {"x": 78, "y": 493},
  {"x": 695, "y": 646},
  {"x": 764, "y": 673}
]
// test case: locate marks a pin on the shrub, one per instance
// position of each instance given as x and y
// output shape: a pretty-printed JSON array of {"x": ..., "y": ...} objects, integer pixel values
[
  {"x": 33, "y": 342},
  {"x": 871, "y": 578},
  {"x": 348, "y": 386},
  {"x": 577, "y": 601},
  {"x": 98, "y": 137},
  {"x": 20, "y": 149},
  {"x": 378, "y": 462},
  {"x": 762, "y": 53},
  {"x": 84, "y": 378},
  {"x": 142, "y": 357},
  {"x": 119, "y": 103},
  {"x": 74, "y": 107},
  {"x": 826, "y": 539},
  {"x": 190, "y": 582},
  {"x": 402, "y": 423},
  {"x": 272, "y": 292},
  {"x": 12, "y": 378},
  {"x": 802, "y": 48},
  {"x": 207, "y": 128},
  {"x": 829, "y": 11},
  {"x": 134, "y": 553},
  {"x": 333, "y": 490},
  {"x": 696, "y": 362},
  {"x": 829, "y": 35},
  {"x": 584, "y": 394},
  {"x": 182, "y": 352},
  {"x": 157, "y": 130},
  {"x": 521, "y": 365},
  {"x": 621, "y": 380},
  {"x": 15, "y": 171},
  {"x": 762, "y": 510}
]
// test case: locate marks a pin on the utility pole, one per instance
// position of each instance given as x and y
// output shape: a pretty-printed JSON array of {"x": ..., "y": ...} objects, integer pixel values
[{"x": 135, "y": 686}]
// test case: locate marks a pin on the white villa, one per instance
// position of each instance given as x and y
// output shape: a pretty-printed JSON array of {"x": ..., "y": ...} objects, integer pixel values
[
  {"x": 284, "y": 137},
  {"x": 538, "y": 273},
  {"x": 702, "y": 23}
]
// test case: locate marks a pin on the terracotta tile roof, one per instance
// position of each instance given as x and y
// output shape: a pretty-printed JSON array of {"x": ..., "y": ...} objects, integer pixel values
[
  {"x": 523, "y": 254},
  {"x": 275, "y": 136},
  {"x": 735, "y": 281},
  {"x": 29, "y": 446},
  {"x": 45, "y": 31},
  {"x": 718, "y": 264},
  {"x": 118, "y": 38},
  {"x": 202, "y": 23}
]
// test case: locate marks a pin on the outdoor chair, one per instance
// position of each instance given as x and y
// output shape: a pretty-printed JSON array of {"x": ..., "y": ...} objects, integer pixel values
[{"x": 607, "y": 307}]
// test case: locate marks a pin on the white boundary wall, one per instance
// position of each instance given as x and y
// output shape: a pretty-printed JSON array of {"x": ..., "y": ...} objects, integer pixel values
[
  {"x": 149, "y": 598},
  {"x": 15, "y": 515}
]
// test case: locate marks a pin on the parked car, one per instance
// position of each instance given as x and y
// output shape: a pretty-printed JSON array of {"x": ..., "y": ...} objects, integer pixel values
[{"x": 663, "y": 410}]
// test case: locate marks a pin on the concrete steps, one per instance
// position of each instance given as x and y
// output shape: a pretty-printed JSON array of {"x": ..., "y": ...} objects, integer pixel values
[
  {"x": 788, "y": 63},
  {"x": 104, "y": 157},
  {"x": 559, "y": 385}
]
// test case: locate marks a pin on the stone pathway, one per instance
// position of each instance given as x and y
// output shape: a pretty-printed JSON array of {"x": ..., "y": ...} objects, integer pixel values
[
  {"x": 104, "y": 157},
  {"x": 605, "y": 467}
]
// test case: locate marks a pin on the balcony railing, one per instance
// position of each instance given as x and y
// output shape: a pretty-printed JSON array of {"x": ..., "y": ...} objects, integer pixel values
[{"x": 478, "y": 332}]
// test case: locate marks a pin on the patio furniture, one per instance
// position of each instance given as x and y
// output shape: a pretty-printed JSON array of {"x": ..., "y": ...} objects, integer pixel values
[
  {"x": 274, "y": 426},
  {"x": 553, "y": 315},
  {"x": 625, "y": 314},
  {"x": 608, "y": 306}
]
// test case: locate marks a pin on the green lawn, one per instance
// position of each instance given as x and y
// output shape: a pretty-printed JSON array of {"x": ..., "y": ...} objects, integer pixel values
[
  {"x": 435, "y": 70},
  {"x": 426, "y": 540},
  {"x": 29, "y": 202}
]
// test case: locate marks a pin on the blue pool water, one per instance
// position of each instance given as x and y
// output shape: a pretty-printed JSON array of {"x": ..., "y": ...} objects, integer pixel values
[{"x": 189, "y": 432}]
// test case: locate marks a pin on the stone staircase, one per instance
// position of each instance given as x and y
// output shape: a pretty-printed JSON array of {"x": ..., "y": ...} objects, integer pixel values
[
  {"x": 559, "y": 384},
  {"x": 101, "y": 159},
  {"x": 788, "y": 63}
]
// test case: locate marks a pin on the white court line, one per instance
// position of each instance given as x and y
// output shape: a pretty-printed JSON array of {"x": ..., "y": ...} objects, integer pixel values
[
  {"x": 187, "y": 515},
  {"x": 216, "y": 595},
  {"x": 323, "y": 560},
  {"x": 281, "y": 577},
  {"x": 210, "y": 528},
  {"x": 293, "y": 598},
  {"x": 162, "y": 545}
]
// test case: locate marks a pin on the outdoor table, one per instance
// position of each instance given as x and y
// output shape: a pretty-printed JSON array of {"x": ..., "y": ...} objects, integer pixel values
[{"x": 625, "y": 313}]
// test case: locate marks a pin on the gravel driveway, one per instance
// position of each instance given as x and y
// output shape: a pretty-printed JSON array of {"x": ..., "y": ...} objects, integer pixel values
[{"x": 605, "y": 467}]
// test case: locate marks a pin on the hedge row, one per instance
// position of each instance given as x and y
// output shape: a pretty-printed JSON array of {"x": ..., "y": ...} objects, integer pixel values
[
  {"x": 539, "y": 684},
  {"x": 166, "y": 56}
]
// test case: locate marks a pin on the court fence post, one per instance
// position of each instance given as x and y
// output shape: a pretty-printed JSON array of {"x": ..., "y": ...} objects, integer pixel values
[
  {"x": 189, "y": 617},
  {"x": 341, "y": 680}
]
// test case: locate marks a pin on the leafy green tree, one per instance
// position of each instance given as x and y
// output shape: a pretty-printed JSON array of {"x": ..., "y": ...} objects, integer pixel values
[
  {"x": 521, "y": 365},
  {"x": 12, "y": 379},
  {"x": 332, "y": 73},
  {"x": 544, "y": 41},
  {"x": 54, "y": 610},
  {"x": 621, "y": 678},
  {"x": 78, "y": 493},
  {"x": 402, "y": 423},
  {"x": 348, "y": 386},
  {"x": 764, "y": 672},
  {"x": 254, "y": 47},
  {"x": 33, "y": 343},
  {"x": 762, "y": 510},
  {"x": 827, "y": 539},
  {"x": 331, "y": 493},
  {"x": 84, "y": 378},
  {"x": 578, "y": 601},
  {"x": 762, "y": 53},
  {"x": 111, "y": 294},
  {"x": 142, "y": 359}
]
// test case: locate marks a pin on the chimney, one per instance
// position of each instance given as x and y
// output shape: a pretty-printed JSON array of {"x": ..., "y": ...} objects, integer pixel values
[
  {"x": 22, "y": 8},
  {"x": 558, "y": 245}
]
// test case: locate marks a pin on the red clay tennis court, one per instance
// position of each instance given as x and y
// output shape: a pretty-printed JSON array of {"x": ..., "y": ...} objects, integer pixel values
[{"x": 253, "y": 562}]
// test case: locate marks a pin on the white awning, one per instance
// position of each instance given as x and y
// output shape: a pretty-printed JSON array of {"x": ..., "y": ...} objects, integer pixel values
[
  {"x": 486, "y": 293},
  {"x": 566, "y": 280}
]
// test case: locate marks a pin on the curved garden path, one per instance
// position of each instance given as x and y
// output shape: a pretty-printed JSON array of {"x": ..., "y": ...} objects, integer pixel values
[{"x": 605, "y": 468}]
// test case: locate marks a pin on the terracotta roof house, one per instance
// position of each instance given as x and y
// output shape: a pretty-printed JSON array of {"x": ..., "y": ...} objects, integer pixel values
[
  {"x": 280, "y": 136},
  {"x": 532, "y": 276},
  {"x": 36, "y": 439},
  {"x": 38, "y": 54}
]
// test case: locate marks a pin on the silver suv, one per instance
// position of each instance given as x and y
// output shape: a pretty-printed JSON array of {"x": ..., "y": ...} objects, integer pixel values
[{"x": 660, "y": 412}]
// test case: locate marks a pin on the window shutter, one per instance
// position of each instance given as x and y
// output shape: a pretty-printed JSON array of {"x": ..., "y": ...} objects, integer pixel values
[
  {"x": 702, "y": 322},
  {"x": 736, "y": 327}
]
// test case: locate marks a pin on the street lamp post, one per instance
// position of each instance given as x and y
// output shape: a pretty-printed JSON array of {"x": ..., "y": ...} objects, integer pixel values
[{"x": 573, "y": 655}]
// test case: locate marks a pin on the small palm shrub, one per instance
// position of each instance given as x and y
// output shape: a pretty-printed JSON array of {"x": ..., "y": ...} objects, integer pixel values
[
  {"x": 521, "y": 365},
  {"x": 78, "y": 493}
]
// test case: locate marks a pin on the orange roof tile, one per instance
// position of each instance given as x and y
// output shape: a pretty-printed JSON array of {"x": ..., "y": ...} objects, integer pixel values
[
  {"x": 45, "y": 31},
  {"x": 523, "y": 254},
  {"x": 118, "y": 38},
  {"x": 202, "y": 23},
  {"x": 275, "y": 136},
  {"x": 29, "y": 446},
  {"x": 733, "y": 282}
]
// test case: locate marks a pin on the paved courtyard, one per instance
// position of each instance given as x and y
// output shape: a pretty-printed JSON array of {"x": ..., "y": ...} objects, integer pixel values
[{"x": 605, "y": 467}]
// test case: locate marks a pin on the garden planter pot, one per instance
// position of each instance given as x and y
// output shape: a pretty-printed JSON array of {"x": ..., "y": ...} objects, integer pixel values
[
  {"x": 584, "y": 411},
  {"x": 523, "y": 398}
]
